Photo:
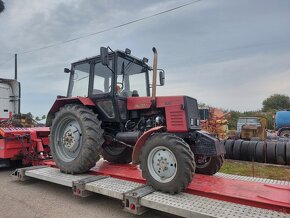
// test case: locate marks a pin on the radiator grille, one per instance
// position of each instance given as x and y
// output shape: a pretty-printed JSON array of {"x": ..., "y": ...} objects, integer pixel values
[{"x": 176, "y": 118}]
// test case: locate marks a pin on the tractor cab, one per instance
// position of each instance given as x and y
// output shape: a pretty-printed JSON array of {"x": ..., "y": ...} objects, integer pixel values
[{"x": 108, "y": 79}]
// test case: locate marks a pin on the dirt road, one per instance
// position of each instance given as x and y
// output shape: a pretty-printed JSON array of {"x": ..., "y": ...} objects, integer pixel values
[{"x": 42, "y": 199}]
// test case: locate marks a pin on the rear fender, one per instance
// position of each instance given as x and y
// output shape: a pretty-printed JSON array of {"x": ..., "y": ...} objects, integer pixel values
[
  {"x": 60, "y": 102},
  {"x": 140, "y": 142}
]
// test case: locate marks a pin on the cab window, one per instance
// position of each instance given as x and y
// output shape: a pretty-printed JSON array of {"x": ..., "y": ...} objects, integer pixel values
[{"x": 102, "y": 79}]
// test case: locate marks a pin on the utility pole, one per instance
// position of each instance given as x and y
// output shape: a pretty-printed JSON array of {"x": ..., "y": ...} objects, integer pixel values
[{"x": 15, "y": 76}]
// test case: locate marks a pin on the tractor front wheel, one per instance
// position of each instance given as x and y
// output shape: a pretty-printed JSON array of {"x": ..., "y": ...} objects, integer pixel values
[
  {"x": 76, "y": 139},
  {"x": 167, "y": 163}
]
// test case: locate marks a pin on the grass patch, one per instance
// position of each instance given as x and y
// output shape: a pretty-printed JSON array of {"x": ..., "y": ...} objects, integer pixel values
[{"x": 267, "y": 171}]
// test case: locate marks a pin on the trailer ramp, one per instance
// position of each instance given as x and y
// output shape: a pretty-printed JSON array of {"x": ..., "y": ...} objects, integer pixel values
[{"x": 137, "y": 197}]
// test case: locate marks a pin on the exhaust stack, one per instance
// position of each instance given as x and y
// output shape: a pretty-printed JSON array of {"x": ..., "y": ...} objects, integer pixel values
[{"x": 154, "y": 82}]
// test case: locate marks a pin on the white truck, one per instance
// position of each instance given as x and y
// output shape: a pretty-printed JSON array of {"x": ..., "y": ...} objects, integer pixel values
[{"x": 9, "y": 98}]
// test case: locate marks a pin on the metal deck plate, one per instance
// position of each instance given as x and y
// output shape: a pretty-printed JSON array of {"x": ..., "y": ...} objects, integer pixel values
[
  {"x": 187, "y": 205},
  {"x": 112, "y": 187},
  {"x": 252, "y": 179},
  {"x": 55, "y": 176}
]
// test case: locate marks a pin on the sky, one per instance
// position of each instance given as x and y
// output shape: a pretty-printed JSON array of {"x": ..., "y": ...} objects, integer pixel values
[{"x": 227, "y": 54}]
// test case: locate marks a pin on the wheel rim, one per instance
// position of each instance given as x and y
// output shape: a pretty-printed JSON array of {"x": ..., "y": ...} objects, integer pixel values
[
  {"x": 162, "y": 164},
  {"x": 68, "y": 139}
]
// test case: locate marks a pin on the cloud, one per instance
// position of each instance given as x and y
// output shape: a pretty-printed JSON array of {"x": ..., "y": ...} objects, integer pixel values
[{"x": 229, "y": 54}]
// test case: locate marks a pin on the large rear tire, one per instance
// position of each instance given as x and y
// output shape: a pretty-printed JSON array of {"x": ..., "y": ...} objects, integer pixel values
[
  {"x": 229, "y": 144},
  {"x": 167, "y": 163},
  {"x": 252, "y": 150},
  {"x": 76, "y": 139},
  {"x": 260, "y": 153},
  {"x": 271, "y": 152},
  {"x": 281, "y": 153},
  {"x": 244, "y": 150},
  {"x": 237, "y": 149},
  {"x": 117, "y": 154},
  {"x": 210, "y": 165}
]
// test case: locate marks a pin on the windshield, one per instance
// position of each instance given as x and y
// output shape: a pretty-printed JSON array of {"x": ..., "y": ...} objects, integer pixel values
[
  {"x": 248, "y": 121},
  {"x": 131, "y": 77}
]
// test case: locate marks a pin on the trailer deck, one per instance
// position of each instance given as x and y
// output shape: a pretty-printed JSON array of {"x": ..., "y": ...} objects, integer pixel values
[{"x": 124, "y": 182}]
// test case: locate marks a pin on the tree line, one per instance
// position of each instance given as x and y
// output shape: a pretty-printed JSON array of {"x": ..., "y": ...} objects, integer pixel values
[{"x": 275, "y": 102}]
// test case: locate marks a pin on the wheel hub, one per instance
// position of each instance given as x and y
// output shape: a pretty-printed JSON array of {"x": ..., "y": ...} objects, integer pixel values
[
  {"x": 162, "y": 164},
  {"x": 69, "y": 139}
]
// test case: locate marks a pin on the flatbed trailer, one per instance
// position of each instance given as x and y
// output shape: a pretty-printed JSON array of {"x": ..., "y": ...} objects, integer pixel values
[{"x": 222, "y": 195}]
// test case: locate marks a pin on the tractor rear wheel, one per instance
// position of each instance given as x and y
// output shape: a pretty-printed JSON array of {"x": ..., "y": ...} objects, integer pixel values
[
  {"x": 76, "y": 139},
  {"x": 117, "y": 154},
  {"x": 208, "y": 165},
  {"x": 167, "y": 163}
]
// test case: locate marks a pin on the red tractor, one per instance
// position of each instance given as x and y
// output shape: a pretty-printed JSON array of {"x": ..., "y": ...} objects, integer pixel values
[{"x": 108, "y": 112}]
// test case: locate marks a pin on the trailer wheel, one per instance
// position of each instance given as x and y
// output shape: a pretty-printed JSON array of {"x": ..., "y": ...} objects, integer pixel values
[
  {"x": 167, "y": 163},
  {"x": 285, "y": 133},
  {"x": 208, "y": 165},
  {"x": 244, "y": 150},
  {"x": 229, "y": 149},
  {"x": 260, "y": 152},
  {"x": 252, "y": 150},
  {"x": 117, "y": 154},
  {"x": 281, "y": 153},
  {"x": 76, "y": 139},
  {"x": 237, "y": 149},
  {"x": 288, "y": 153},
  {"x": 271, "y": 152}
]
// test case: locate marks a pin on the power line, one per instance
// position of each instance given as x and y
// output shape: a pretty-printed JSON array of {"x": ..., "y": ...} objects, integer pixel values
[{"x": 111, "y": 28}]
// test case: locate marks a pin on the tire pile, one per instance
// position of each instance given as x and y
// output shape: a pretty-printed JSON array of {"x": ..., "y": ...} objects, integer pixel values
[{"x": 274, "y": 152}]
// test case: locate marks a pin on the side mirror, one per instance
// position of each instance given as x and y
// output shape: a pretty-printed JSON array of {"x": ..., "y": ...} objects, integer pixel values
[
  {"x": 104, "y": 56},
  {"x": 162, "y": 78},
  {"x": 66, "y": 70}
]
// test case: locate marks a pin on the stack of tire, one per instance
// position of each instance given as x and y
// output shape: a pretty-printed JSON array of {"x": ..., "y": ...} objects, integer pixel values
[{"x": 274, "y": 152}]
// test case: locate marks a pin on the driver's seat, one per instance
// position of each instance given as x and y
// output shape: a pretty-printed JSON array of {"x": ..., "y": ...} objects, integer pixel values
[{"x": 135, "y": 93}]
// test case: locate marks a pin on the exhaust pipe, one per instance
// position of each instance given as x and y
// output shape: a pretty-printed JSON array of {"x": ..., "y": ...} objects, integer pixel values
[{"x": 154, "y": 82}]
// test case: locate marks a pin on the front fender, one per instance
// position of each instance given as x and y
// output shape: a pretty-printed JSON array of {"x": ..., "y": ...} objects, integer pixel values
[{"x": 140, "y": 142}]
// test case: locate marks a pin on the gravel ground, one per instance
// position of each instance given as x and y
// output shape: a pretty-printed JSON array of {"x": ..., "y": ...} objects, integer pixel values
[{"x": 37, "y": 198}]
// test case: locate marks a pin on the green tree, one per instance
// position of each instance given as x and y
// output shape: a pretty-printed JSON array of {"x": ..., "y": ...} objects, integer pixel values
[
  {"x": 234, "y": 116},
  {"x": 30, "y": 114},
  {"x": 276, "y": 102}
]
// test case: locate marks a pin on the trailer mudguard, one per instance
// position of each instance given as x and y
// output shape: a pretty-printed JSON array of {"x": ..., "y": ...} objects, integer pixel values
[{"x": 61, "y": 101}]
